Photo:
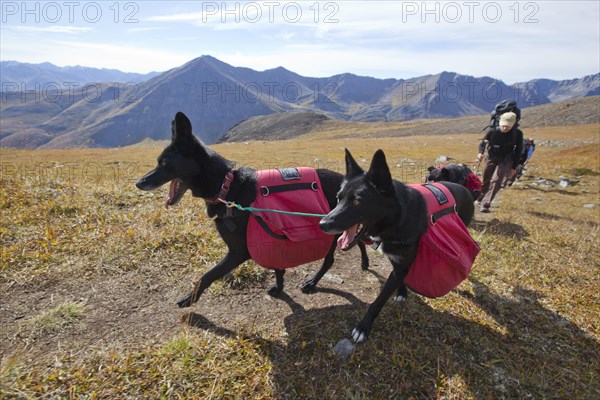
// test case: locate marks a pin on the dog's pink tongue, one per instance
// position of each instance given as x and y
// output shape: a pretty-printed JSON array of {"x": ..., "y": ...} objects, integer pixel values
[
  {"x": 172, "y": 190},
  {"x": 347, "y": 237}
]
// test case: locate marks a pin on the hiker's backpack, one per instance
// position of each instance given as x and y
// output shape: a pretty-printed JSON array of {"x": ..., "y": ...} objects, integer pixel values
[
  {"x": 501, "y": 108},
  {"x": 278, "y": 241}
]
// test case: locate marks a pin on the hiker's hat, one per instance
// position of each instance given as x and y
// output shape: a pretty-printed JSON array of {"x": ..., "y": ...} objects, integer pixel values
[{"x": 508, "y": 119}]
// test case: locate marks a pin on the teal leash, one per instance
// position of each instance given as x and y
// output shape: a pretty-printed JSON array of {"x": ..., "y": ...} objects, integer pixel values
[{"x": 231, "y": 204}]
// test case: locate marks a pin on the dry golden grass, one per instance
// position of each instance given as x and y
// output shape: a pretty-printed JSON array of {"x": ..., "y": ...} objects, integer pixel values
[{"x": 75, "y": 231}]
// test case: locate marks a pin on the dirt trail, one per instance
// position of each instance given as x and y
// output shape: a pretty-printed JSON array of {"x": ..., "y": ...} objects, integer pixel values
[{"x": 137, "y": 308}]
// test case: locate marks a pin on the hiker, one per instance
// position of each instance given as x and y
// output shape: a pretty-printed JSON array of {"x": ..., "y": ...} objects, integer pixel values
[
  {"x": 528, "y": 149},
  {"x": 502, "y": 146}
]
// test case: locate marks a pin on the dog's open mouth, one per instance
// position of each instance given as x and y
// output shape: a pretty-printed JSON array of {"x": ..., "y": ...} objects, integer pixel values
[
  {"x": 176, "y": 191},
  {"x": 351, "y": 236}
]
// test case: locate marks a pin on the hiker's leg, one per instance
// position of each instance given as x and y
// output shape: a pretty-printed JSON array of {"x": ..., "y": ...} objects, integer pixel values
[
  {"x": 488, "y": 172},
  {"x": 500, "y": 173}
]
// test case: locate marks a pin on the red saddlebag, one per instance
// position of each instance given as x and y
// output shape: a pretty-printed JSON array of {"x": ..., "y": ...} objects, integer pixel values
[
  {"x": 446, "y": 250},
  {"x": 473, "y": 182},
  {"x": 280, "y": 241}
]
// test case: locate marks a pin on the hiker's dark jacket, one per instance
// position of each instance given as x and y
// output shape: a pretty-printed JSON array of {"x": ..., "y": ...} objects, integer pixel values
[{"x": 502, "y": 145}]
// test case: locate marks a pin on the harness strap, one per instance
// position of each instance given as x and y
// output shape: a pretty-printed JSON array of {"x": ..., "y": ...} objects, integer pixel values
[
  {"x": 436, "y": 196},
  {"x": 267, "y": 229},
  {"x": 442, "y": 212},
  {"x": 267, "y": 190}
]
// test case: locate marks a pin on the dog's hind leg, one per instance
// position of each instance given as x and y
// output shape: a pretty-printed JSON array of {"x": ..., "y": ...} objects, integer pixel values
[
  {"x": 364, "y": 258},
  {"x": 226, "y": 265},
  {"x": 277, "y": 288},
  {"x": 309, "y": 285}
]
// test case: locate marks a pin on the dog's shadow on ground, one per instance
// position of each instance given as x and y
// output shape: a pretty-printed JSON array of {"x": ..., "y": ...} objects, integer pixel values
[
  {"x": 414, "y": 347},
  {"x": 543, "y": 190},
  {"x": 553, "y": 217},
  {"x": 497, "y": 227}
]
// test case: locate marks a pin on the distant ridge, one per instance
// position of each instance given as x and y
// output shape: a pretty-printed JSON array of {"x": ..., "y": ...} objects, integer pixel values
[
  {"x": 279, "y": 126},
  {"x": 46, "y": 74},
  {"x": 217, "y": 96},
  {"x": 292, "y": 125}
]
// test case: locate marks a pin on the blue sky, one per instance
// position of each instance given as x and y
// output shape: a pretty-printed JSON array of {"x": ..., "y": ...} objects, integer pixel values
[{"x": 514, "y": 41}]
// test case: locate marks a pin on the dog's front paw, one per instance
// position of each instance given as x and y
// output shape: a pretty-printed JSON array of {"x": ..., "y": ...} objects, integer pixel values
[
  {"x": 185, "y": 302},
  {"x": 275, "y": 290},
  {"x": 359, "y": 334},
  {"x": 400, "y": 298},
  {"x": 308, "y": 286},
  {"x": 401, "y": 294},
  {"x": 364, "y": 265}
]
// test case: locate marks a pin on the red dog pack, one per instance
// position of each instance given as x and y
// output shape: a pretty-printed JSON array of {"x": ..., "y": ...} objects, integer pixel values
[
  {"x": 473, "y": 182},
  {"x": 446, "y": 250},
  {"x": 279, "y": 241}
]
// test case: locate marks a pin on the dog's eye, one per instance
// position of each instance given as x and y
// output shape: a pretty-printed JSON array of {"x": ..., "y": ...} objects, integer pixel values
[{"x": 355, "y": 202}]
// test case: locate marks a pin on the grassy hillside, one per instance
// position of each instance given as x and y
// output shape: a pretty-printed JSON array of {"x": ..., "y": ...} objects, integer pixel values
[{"x": 91, "y": 269}]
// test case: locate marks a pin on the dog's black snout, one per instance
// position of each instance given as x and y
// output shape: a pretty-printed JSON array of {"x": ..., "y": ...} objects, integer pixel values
[
  {"x": 151, "y": 181},
  {"x": 325, "y": 225},
  {"x": 144, "y": 184}
]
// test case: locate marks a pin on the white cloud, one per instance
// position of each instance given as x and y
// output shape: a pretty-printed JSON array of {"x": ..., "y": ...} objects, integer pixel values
[
  {"x": 99, "y": 55},
  {"x": 70, "y": 30},
  {"x": 135, "y": 59},
  {"x": 181, "y": 17}
]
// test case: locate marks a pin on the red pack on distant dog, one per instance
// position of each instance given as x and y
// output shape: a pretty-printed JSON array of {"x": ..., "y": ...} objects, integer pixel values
[
  {"x": 473, "y": 182},
  {"x": 285, "y": 241},
  {"x": 446, "y": 250}
]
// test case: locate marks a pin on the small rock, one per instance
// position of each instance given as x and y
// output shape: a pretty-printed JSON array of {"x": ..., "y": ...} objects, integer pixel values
[
  {"x": 442, "y": 159},
  {"x": 544, "y": 182},
  {"x": 537, "y": 199},
  {"x": 589, "y": 206},
  {"x": 564, "y": 183},
  {"x": 343, "y": 349},
  {"x": 333, "y": 278}
]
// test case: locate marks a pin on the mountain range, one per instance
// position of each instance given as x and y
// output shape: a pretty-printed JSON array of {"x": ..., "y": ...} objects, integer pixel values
[
  {"x": 94, "y": 111},
  {"x": 48, "y": 74}
]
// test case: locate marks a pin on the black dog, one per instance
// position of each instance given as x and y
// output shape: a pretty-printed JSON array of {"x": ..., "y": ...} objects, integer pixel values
[
  {"x": 390, "y": 213},
  {"x": 456, "y": 173},
  {"x": 189, "y": 164}
]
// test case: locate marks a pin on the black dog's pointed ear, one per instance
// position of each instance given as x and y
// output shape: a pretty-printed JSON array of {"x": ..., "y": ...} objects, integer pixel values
[
  {"x": 352, "y": 167},
  {"x": 430, "y": 168},
  {"x": 379, "y": 174},
  {"x": 181, "y": 127}
]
